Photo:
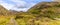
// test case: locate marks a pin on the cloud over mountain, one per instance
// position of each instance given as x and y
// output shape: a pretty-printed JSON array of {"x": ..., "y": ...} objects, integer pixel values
[{"x": 19, "y": 5}]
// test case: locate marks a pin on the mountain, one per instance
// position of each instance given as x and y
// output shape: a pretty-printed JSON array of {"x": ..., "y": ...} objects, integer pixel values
[
  {"x": 43, "y": 13},
  {"x": 46, "y": 9},
  {"x": 3, "y": 11}
]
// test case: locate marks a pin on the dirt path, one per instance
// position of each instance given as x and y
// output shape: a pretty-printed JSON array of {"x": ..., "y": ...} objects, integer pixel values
[{"x": 12, "y": 22}]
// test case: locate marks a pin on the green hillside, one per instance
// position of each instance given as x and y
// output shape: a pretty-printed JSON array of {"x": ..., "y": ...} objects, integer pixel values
[
  {"x": 46, "y": 9},
  {"x": 43, "y": 13}
]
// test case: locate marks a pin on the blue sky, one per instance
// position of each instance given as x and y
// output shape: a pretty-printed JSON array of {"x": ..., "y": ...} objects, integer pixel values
[{"x": 20, "y": 5}]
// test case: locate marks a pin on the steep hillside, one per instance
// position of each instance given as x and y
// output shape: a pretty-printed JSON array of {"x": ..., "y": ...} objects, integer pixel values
[
  {"x": 3, "y": 11},
  {"x": 46, "y": 9}
]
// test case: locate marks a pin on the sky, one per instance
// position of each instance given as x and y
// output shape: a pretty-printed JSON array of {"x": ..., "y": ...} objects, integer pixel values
[{"x": 20, "y": 5}]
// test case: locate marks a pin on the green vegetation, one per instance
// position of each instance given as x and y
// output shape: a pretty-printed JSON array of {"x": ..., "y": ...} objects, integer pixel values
[{"x": 44, "y": 13}]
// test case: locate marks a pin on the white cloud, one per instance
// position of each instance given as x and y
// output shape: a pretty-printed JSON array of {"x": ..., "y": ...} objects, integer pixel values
[
  {"x": 22, "y": 5},
  {"x": 19, "y": 3},
  {"x": 6, "y": 5},
  {"x": 19, "y": 6},
  {"x": 1, "y": 1}
]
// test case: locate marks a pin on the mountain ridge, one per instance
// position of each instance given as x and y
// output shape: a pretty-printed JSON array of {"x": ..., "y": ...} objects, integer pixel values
[{"x": 43, "y": 13}]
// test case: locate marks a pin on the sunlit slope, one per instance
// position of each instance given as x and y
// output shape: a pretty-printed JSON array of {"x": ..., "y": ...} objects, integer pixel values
[{"x": 46, "y": 9}]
